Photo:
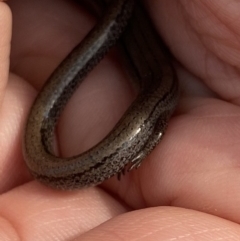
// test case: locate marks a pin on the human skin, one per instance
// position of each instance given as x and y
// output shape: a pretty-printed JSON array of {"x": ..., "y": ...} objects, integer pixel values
[{"x": 187, "y": 189}]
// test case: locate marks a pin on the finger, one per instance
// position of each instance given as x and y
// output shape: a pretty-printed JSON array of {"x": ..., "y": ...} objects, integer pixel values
[
  {"x": 166, "y": 224},
  {"x": 5, "y": 33},
  {"x": 15, "y": 97},
  {"x": 34, "y": 212},
  {"x": 202, "y": 35},
  {"x": 10, "y": 112},
  {"x": 16, "y": 102}
]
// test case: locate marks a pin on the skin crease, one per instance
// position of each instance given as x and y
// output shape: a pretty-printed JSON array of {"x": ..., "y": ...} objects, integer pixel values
[{"x": 188, "y": 189}]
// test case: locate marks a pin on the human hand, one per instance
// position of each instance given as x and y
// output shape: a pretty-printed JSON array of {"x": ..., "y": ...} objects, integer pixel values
[{"x": 192, "y": 173}]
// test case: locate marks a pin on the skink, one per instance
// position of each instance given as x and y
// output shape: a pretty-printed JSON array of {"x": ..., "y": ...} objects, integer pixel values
[{"x": 141, "y": 127}]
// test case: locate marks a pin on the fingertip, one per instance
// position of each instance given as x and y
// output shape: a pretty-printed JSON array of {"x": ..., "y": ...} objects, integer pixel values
[{"x": 5, "y": 22}]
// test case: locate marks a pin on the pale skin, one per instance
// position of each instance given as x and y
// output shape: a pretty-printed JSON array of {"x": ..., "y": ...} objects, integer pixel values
[{"x": 187, "y": 189}]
